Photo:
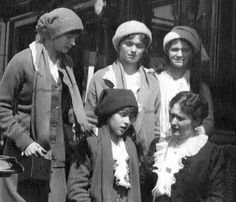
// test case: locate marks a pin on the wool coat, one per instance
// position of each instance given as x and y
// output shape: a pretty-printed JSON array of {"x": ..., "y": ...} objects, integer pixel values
[
  {"x": 91, "y": 177},
  {"x": 201, "y": 179},
  {"x": 25, "y": 102},
  {"x": 148, "y": 98}
]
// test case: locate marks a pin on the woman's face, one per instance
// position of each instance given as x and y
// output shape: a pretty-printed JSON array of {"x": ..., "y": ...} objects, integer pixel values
[
  {"x": 180, "y": 54},
  {"x": 182, "y": 125},
  {"x": 131, "y": 50},
  {"x": 65, "y": 42}
]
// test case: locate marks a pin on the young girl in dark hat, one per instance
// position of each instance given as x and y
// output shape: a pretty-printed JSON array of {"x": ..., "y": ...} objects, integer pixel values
[{"x": 106, "y": 168}]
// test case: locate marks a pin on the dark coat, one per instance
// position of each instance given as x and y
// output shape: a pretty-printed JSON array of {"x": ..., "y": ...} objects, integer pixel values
[
  {"x": 201, "y": 179},
  {"x": 91, "y": 179}
]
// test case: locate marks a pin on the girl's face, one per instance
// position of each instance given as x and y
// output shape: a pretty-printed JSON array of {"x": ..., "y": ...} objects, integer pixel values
[
  {"x": 65, "y": 42},
  {"x": 119, "y": 122},
  {"x": 180, "y": 54},
  {"x": 131, "y": 50},
  {"x": 182, "y": 125}
]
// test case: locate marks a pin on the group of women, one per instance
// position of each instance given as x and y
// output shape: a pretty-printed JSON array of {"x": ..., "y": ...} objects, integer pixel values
[
  {"x": 39, "y": 94},
  {"x": 175, "y": 117}
]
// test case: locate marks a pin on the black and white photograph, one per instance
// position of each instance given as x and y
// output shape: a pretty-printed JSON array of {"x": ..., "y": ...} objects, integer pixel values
[{"x": 117, "y": 100}]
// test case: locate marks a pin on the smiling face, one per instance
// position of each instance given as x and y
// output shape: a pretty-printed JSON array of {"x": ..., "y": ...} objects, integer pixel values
[
  {"x": 180, "y": 54},
  {"x": 131, "y": 50},
  {"x": 65, "y": 42},
  {"x": 182, "y": 125}
]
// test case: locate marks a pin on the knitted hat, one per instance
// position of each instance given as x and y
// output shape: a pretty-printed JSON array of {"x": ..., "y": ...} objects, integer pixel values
[
  {"x": 58, "y": 22},
  {"x": 183, "y": 32},
  {"x": 130, "y": 27},
  {"x": 190, "y": 35},
  {"x": 112, "y": 100}
]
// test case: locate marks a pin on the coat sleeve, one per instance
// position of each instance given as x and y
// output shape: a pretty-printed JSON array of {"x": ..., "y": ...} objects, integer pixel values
[
  {"x": 157, "y": 102},
  {"x": 216, "y": 186},
  {"x": 208, "y": 122},
  {"x": 157, "y": 110},
  {"x": 78, "y": 186},
  {"x": 10, "y": 86},
  {"x": 95, "y": 87}
]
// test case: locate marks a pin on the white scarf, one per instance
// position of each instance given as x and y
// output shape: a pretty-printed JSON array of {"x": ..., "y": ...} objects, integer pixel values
[{"x": 121, "y": 167}]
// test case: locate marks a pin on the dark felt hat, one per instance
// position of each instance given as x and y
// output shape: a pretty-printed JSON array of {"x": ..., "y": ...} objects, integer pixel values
[{"x": 112, "y": 100}]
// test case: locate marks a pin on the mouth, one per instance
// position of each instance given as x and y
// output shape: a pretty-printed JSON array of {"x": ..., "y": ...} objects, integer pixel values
[
  {"x": 132, "y": 56},
  {"x": 174, "y": 129},
  {"x": 123, "y": 129},
  {"x": 179, "y": 60}
]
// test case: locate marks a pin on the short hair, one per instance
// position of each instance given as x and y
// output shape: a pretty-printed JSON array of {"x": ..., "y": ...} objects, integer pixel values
[
  {"x": 131, "y": 111},
  {"x": 168, "y": 45},
  {"x": 191, "y": 104},
  {"x": 143, "y": 38}
]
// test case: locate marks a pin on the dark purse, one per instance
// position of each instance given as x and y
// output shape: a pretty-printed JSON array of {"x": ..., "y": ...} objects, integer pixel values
[{"x": 36, "y": 168}]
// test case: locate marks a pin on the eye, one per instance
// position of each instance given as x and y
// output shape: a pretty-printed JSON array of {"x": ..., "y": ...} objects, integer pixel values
[
  {"x": 186, "y": 50},
  {"x": 140, "y": 46},
  {"x": 128, "y": 43},
  {"x": 123, "y": 114},
  {"x": 174, "y": 49}
]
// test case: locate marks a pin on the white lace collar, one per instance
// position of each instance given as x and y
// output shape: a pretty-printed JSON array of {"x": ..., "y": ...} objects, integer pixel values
[
  {"x": 121, "y": 167},
  {"x": 168, "y": 160}
]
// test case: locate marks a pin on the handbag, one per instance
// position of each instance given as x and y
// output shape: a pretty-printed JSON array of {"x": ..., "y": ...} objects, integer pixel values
[{"x": 37, "y": 168}]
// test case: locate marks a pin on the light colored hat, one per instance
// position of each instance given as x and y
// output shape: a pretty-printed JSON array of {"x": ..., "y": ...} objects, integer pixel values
[
  {"x": 128, "y": 28},
  {"x": 183, "y": 32},
  {"x": 58, "y": 22},
  {"x": 190, "y": 35}
]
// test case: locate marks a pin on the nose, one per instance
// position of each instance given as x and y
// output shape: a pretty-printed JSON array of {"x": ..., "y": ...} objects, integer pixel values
[
  {"x": 133, "y": 48},
  {"x": 72, "y": 41},
  {"x": 179, "y": 53},
  {"x": 173, "y": 121},
  {"x": 127, "y": 120}
]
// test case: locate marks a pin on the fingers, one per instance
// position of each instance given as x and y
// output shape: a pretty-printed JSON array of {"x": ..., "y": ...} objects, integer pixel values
[{"x": 34, "y": 149}]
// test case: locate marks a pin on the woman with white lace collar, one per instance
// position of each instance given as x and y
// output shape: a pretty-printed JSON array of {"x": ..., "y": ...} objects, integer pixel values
[{"x": 187, "y": 167}]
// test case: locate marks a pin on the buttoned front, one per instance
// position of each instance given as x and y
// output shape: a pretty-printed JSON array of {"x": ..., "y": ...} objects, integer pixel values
[{"x": 56, "y": 135}]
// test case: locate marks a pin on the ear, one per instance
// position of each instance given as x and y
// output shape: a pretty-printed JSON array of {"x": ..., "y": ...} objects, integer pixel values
[{"x": 196, "y": 123}]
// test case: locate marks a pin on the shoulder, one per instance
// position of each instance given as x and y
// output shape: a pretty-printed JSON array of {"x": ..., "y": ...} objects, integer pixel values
[
  {"x": 92, "y": 140},
  {"x": 151, "y": 76},
  {"x": 86, "y": 147},
  {"x": 23, "y": 56},
  {"x": 209, "y": 152},
  {"x": 20, "y": 62},
  {"x": 205, "y": 91},
  {"x": 100, "y": 73}
]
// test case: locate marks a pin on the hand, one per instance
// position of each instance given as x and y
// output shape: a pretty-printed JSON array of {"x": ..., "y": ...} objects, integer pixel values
[{"x": 34, "y": 149}]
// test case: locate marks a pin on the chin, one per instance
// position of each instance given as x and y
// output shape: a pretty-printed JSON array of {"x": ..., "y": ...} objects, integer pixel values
[{"x": 176, "y": 134}]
